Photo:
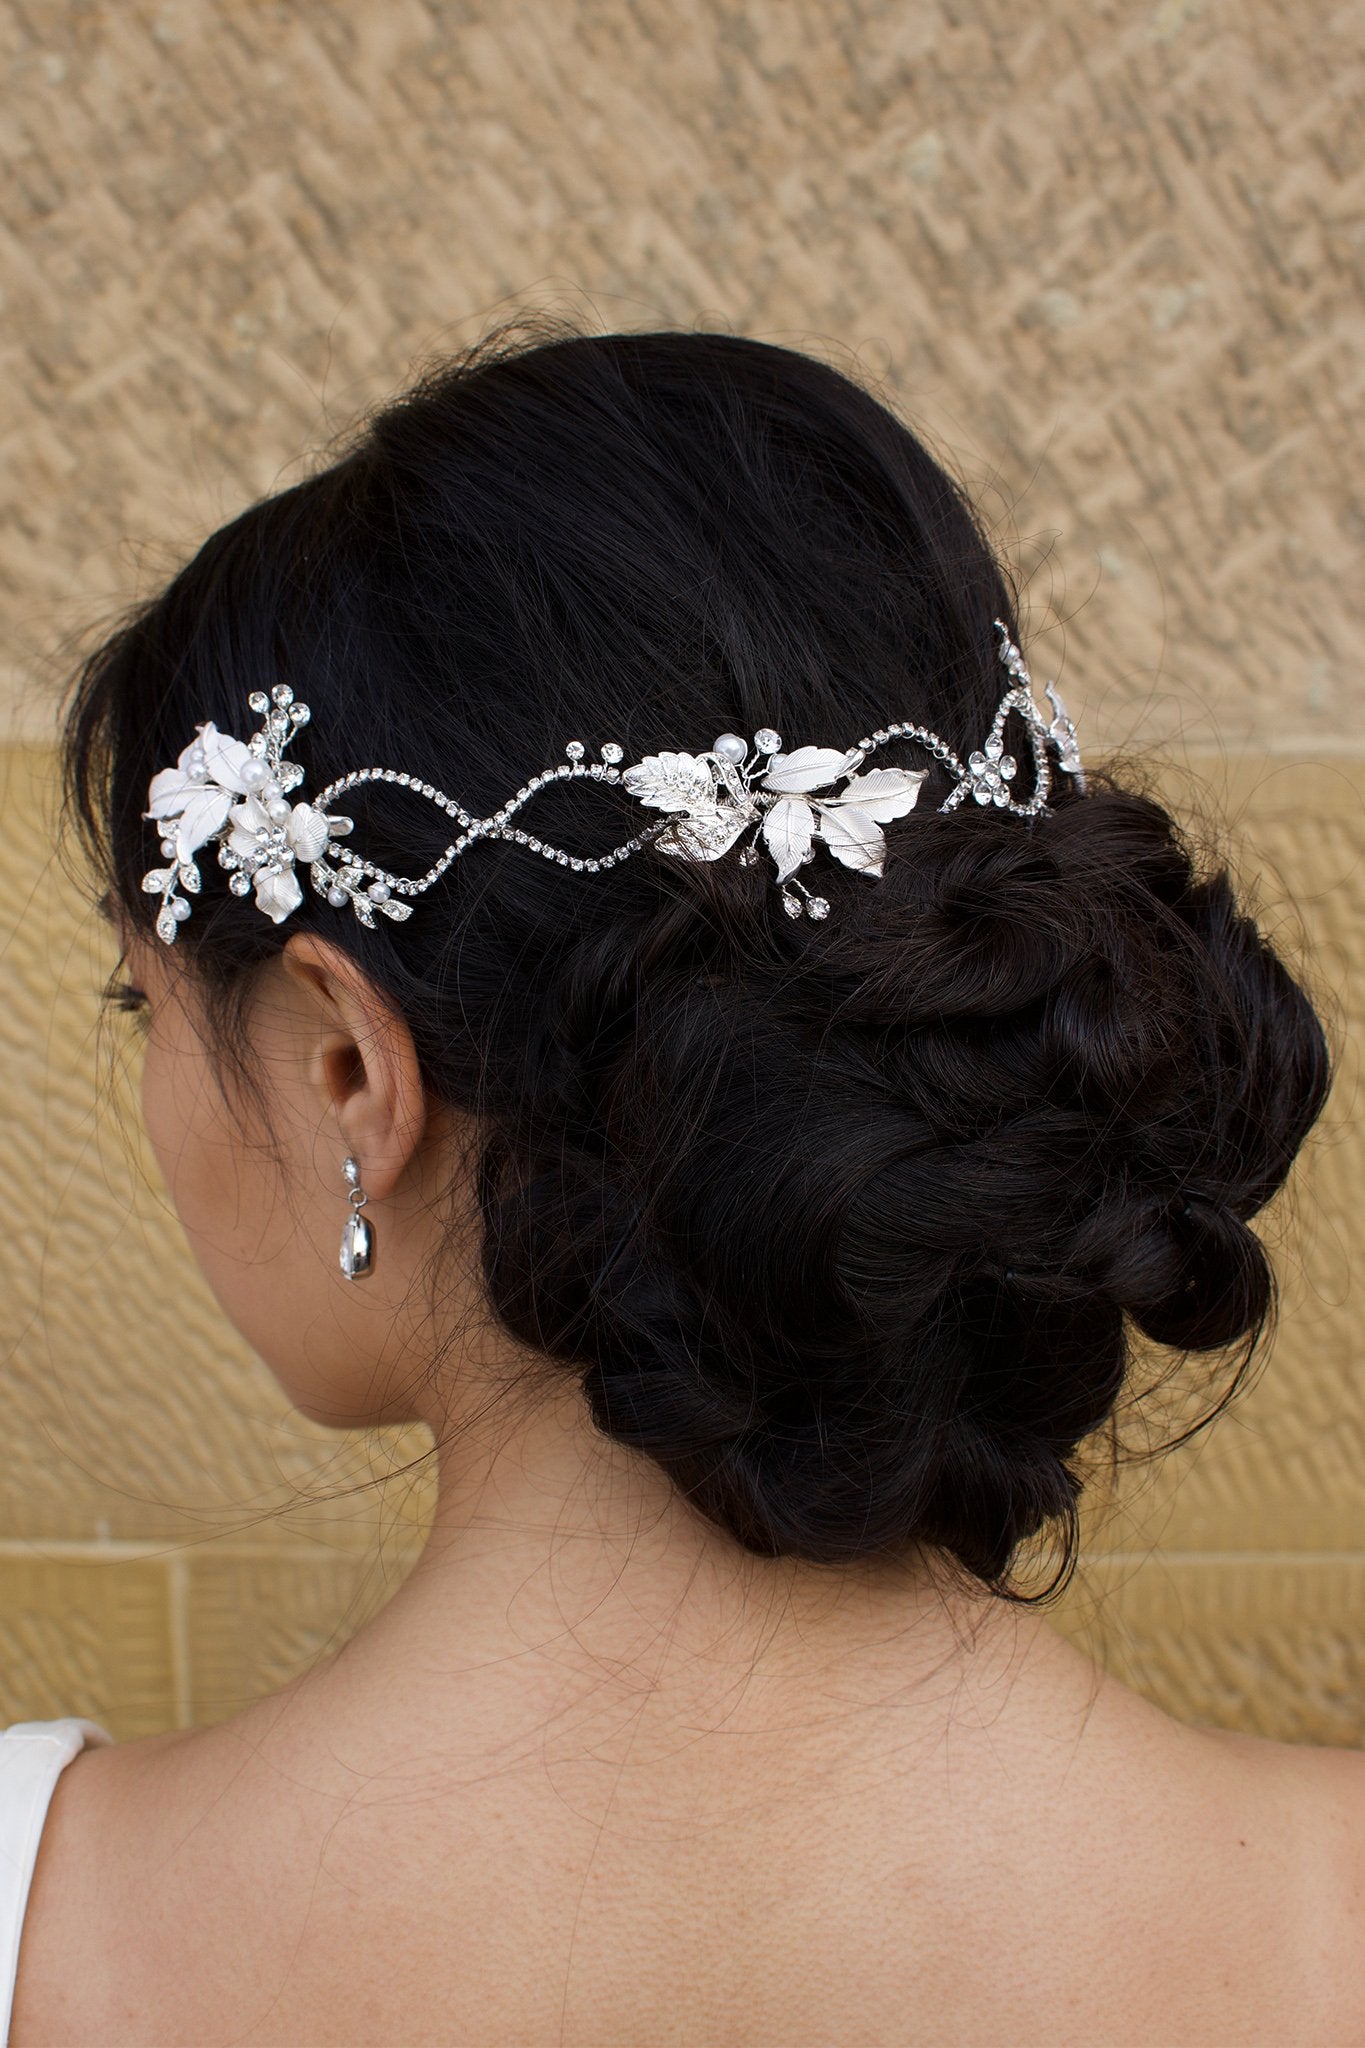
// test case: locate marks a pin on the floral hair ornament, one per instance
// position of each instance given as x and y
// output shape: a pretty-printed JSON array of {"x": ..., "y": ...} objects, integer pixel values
[{"x": 237, "y": 793}]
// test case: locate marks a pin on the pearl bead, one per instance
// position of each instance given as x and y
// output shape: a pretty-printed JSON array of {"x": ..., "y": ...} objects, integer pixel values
[
  {"x": 337, "y": 898},
  {"x": 731, "y": 747},
  {"x": 277, "y": 810},
  {"x": 167, "y": 848},
  {"x": 180, "y": 910},
  {"x": 254, "y": 773},
  {"x": 270, "y": 790},
  {"x": 379, "y": 892}
]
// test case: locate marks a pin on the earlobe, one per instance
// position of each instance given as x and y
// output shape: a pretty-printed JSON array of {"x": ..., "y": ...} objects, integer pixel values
[{"x": 363, "y": 1064}]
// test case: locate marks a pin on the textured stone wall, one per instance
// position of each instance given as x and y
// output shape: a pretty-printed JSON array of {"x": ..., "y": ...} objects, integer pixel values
[{"x": 1108, "y": 259}]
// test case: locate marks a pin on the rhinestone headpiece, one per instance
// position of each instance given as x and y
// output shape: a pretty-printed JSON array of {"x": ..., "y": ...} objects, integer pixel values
[{"x": 238, "y": 793}]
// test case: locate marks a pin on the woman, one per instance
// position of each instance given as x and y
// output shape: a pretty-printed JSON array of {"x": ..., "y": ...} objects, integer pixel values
[{"x": 760, "y": 1089}]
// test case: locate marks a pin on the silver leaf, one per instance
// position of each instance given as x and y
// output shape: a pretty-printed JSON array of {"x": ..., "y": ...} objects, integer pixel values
[
  {"x": 883, "y": 793},
  {"x": 397, "y": 911},
  {"x": 672, "y": 782},
  {"x": 702, "y": 838},
  {"x": 167, "y": 926},
  {"x": 189, "y": 877},
  {"x": 852, "y": 837},
  {"x": 808, "y": 768},
  {"x": 788, "y": 829},
  {"x": 156, "y": 880}
]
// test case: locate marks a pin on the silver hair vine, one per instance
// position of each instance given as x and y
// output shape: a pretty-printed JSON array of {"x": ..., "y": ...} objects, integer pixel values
[{"x": 237, "y": 793}]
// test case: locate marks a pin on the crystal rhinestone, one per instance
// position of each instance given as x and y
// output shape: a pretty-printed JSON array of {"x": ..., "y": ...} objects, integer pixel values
[
  {"x": 994, "y": 750},
  {"x": 817, "y": 906},
  {"x": 611, "y": 752},
  {"x": 791, "y": 904},
  {"x": 748, "y": 857},
  {"x": 767, "y": 741},
  {"x": 258, "y": 701},
  {"x": 1000, "y": 794},
  {"x": 574, "y": 750},
  {"x": 1009, "y": 767},
  {"x": 981, "y": 793},
  {"x": 282, "y": 694},
  {"x": 238, "y": 883},
  {"x": 731, "y": 747}
]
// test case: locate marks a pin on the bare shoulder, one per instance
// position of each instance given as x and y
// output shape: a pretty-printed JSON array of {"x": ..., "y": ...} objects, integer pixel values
[{"x": 1312, "y": 1801}]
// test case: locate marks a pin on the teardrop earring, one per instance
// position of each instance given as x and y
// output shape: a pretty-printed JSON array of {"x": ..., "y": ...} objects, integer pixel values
[{"x": 357, "y": 1235}]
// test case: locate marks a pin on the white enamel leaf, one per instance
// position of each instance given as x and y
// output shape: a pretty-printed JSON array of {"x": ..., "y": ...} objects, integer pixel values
[
  {"x": 204, "y": 814},
  {"x": 883, "y": 793},
  {"x": 788, "y": 829},
  {"x": 308, "y": 831},
  {"x": 807, "y": 768},
  {"x": 225, "y": 758},
  {"x": 853, "y": 837},
  {"x": 278, "y": 894},
  {"x": 672, "y": 782}
]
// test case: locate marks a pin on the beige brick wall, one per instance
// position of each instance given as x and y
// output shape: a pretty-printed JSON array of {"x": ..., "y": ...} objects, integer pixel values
[{"x": 1107, "y": 257}]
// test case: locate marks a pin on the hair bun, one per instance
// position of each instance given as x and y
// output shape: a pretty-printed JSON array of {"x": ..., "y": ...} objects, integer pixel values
[{"x": 849, "y": 1230}]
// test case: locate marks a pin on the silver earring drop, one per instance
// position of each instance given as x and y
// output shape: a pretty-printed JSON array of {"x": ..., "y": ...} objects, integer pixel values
[{"x": 357, "y": 1236}]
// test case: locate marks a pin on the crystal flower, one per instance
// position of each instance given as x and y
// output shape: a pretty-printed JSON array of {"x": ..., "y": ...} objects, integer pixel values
[{"x": 267, "y": 847}]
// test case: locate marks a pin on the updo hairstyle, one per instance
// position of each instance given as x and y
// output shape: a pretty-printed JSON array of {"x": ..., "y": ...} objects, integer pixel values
[{"x": 847, "y": 1225}]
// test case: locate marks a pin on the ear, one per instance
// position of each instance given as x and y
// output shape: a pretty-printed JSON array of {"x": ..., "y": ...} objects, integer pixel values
[{"x": 362, "y": 1061}]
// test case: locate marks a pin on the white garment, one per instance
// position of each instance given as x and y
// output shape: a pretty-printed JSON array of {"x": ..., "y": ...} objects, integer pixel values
[{"x": 33, "y": 1755}]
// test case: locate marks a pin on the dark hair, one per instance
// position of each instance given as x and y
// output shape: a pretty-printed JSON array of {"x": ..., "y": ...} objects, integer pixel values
[{"x": 846, "y": 1225}]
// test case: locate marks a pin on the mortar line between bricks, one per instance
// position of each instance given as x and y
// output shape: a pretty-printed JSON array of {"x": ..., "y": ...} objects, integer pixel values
[
  {"x": 130, "y": 1550},
  {"x": 1222, "y": 1557}
]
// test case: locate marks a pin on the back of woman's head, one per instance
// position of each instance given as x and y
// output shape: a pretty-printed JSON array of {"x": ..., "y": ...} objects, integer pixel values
[{"x": 846, "y": 1224}]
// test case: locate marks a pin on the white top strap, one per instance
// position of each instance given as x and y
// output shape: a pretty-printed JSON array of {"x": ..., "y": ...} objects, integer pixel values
[{"x": 33, "y": 1755}]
